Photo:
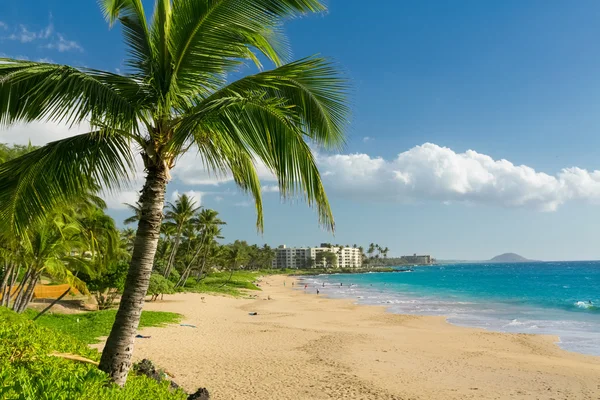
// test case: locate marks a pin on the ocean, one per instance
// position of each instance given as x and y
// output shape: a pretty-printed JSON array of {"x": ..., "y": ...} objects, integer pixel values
[{"x": 558, "y": 298}]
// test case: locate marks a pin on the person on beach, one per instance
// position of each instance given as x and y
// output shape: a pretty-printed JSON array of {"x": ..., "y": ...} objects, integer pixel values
[
  {"x": 305, "y": 287},
  {"x": 317, "y": 292},
  {"x": 323, "y": 284}
]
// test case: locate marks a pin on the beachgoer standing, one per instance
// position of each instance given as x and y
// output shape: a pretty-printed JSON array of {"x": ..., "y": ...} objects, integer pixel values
[{"x": 317, "y": 292}]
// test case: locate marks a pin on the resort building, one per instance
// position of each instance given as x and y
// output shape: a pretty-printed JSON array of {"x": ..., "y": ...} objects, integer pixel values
[
  {"x": 315, "y": 257},
  {"x": 415, "y": 259}
]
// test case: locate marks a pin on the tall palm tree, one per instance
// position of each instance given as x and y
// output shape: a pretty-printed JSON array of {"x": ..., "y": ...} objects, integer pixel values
[
  {"x": 178, "y": 215},
  {"x": 208, "y": 224},
  {"x": 371, "y": 250},
  {"x": 174, "y": 95}
]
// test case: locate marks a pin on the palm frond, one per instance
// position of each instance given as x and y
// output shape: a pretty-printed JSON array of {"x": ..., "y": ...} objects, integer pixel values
[
  {"x": 309, "y": 93},
  {"x": 209, "y": 38},
  {"x": 35, "y": 183},
  {"x": 32, "y": 91},
  {"x": 130, "y": 14}
]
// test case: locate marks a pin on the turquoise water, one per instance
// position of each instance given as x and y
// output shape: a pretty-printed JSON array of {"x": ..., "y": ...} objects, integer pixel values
[{"x": 558, "y": 298}]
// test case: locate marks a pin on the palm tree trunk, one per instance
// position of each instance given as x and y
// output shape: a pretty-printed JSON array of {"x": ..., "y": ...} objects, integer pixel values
[
  {"x": 21, "y": 289},
  {"x": 26, "y": 298},
  {"x": 12, "y": 283},
  {"x": 116, "y": 357},
  {"x": 5, "y": 281},
  {"x": 171, "y": 259}
]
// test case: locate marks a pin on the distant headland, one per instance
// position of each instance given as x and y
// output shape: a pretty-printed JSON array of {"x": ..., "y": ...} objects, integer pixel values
[{"x": 510, "y": 258}]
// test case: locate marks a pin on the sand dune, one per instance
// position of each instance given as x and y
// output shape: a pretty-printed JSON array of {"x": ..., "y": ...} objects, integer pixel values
[{"x": 301, "y": 346}]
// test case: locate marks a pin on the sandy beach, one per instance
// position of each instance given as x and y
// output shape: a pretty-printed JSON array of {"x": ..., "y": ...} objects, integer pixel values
[{"x": 304, "y": 346}]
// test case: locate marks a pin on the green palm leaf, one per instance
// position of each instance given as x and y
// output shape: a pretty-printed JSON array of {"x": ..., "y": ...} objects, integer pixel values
[{"x": 36, "y": 183}]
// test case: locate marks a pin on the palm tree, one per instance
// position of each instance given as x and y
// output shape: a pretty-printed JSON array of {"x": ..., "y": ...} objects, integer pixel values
[
  {"x": 178, "y": 215},
  {"x": 371, "y": 250},
  {"x": 174, "y": 95},
  {"x": 207, "y": 223}
]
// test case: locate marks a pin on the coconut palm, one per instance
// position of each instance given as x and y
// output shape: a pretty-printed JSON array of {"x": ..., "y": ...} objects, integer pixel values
[
  {"x": 178, "y": 215},
  {"x": 174, "y": 96},
  {"x": 206, "y": 224}
]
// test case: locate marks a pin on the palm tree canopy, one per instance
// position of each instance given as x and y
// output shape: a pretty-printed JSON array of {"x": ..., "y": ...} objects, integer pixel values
[
  {"x": 181, "y": 212},
  {"x": 175, "y": 96}
]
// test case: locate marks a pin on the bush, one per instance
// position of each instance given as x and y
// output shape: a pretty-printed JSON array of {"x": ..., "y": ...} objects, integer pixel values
[
  {"x": 28, "y": 371},
  {"x": 159, "y": 285}
]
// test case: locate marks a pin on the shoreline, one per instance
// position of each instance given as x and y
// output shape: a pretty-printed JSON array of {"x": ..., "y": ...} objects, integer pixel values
[
  {"x": 359, "y": 297},
  {"x": 304, "y": 346}
]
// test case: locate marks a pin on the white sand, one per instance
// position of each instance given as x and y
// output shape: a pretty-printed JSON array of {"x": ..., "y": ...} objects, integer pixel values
[{"x": 301, "y": 346}]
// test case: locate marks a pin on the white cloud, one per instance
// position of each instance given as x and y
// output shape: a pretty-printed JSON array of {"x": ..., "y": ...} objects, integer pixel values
[
  {"x": 431, "y": 172},
  {"x": 62, "y": 44},
  {"x": 39, "y": 133},
  {"x": 367, "y": 139},
  {"x": 24, "y": 35},
  {"x": 424, "y": 173},
  {"x": 116, "y": 201},
  {"x": 243, "y": 204},
  {"x": 270, "y": 189},
  {"x": 218, "y": 199},
  {"x": 53, "y": 40},
  {"x": 191, "y": 170},
  {"x": 46, "y": 60},
  {"x": 192, "y": 194}
]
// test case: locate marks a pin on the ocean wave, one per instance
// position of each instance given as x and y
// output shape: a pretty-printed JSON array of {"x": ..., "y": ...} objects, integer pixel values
[{"x": 587, "y": 305}]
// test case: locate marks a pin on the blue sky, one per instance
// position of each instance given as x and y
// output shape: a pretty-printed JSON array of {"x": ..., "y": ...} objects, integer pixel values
[{"x": 511, "y": 80}]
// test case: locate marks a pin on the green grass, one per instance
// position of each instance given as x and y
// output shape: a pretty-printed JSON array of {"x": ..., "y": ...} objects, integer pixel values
[
  {"x": 29, "y": 371},
  {"x": 89, "y": 326},
  {"x": 219, "y": 283}
]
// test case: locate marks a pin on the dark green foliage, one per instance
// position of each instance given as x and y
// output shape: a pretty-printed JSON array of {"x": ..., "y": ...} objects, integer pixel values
[
  {"x": 160, "y": 285},
  {"x": 88, "y": 327},
  {"x": 28, "y": 371}
]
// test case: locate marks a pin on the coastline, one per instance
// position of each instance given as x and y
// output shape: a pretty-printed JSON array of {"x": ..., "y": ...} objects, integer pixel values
[{"x": 304, "y": 346}]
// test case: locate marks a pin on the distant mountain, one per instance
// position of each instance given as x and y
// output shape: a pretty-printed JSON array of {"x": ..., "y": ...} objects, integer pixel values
[{"x": 509, "y": 258}]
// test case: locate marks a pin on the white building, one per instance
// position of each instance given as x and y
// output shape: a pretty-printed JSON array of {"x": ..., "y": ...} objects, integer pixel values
[{"x": 307, "y": 257}]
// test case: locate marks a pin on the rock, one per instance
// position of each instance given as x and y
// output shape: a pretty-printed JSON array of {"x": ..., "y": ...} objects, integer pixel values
[
  {"x": 146, "y": 367},
  {"x": 200, "y": 394}
]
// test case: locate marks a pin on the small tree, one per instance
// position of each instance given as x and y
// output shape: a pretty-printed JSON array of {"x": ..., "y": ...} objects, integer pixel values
[{"x": 159, "y": 285}]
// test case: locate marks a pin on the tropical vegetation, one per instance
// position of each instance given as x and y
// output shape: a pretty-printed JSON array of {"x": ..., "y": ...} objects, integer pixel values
[
  {"x": 175, "y": 95},
  {"x": 31, "y": 368}
]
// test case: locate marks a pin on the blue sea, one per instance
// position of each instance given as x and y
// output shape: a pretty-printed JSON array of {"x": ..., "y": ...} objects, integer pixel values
[{"x": 558, "y": 298}]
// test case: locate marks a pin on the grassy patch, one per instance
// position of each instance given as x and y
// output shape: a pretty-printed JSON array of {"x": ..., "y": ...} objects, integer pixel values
[
  {"x": 219, "y": 283},
  {"x": 88, "y": 327},
  {"x": 28, "y": 371}
]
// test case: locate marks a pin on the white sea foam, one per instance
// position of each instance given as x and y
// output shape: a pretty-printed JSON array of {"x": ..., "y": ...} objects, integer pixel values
[
  {"x": 577, "y": 332},
  {"x": 584, "y": 304}
]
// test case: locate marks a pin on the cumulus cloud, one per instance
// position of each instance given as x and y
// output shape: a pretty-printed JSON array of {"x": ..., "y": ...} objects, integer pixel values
[
  {"x": 423, "y": 173},
  {"x": 431, "y": 172},
  {"x": 117, "y": 200},
  {"x": 367, "y": 139},
  {"x": 192, "y": 194},
  {"x": 191, "y": 170},
  {"x": 3, "y": 25}
]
